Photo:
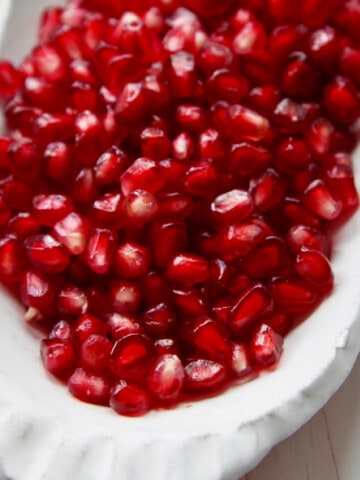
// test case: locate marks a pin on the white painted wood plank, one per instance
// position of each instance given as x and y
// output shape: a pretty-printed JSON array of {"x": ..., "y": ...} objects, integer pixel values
[{"x": 326, "y": 448}]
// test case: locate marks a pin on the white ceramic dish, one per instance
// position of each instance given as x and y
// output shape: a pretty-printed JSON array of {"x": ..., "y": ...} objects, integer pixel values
[{"x": 47, "y": 435}]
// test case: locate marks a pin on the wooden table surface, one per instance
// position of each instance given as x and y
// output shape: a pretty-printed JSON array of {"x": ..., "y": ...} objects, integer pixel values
[{"x": 326, "y": 448}]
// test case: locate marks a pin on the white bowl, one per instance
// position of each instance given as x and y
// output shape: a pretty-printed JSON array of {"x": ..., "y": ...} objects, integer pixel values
[{"x": 47, "y": 435}]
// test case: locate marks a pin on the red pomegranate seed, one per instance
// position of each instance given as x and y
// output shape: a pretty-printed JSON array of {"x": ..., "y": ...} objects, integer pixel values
[
  {"x": 106, "y": 211},
  {"x": 250, "y": 38},
  {"x": 182, "y": 75},
  {"x": 129, "y": 399},
  {"x": 245, "y": 124},
  {"x": 159, "y": 319},
  {"x": 12, "y": 259},
  {"x": 266, "y": 346},
  {"x": 187, "y": 270},
  {"x": 140, "y": 206},
  {"x": 202, "y": 375},
  {"x": 37, "y": 291},
  {"x": 95, "y": 353},
  {"x": 165, "y": 378},
  {"x": 248, "y": 159},
  {"x": 124, "y": 296},
  {"x": 182, "y": 146},
  {"x": 58, "y": 357},
  {"x": 130, "y": 105},
  {"x": 209, "y": 337},
  {"x": 46, "y": 253},
  {"x": 319, "y": 200},
  {"x": 25, "y": 159},
  {"x": 62, "y": 330},
  {"x": 72, "y": 232},
  {"x": 300, "y": 236},
  {"x": 166, "y": 240},
  {"x": 292, "y": 156},
  {"x": 290, "y": 116},
  {"x": 340, "y": 179},
  {"x": 131, "y": 260},
  {"x": 267, "y": 258},
  {"x": 10, "y": 79},
  {"x": 154, "y": 143},
  {"x": 109, "y": 166},
  {"x": 349, "y": 63},
  {"x": 87, "y": 325},
  {"x": 121, "y": 324},
  {"x": 49, "y": 209},
  {"x": 239, "y": 361},
  {"x": 201, "y": 179},
  {"x": 249, "y": 307},
  {"x": 238, "y": 239},
  {"x": 323, "y": 46},
  {"x": 341, "y": 100},
  {"x": 84, "y": 188},
  {"x": 293, "y": 296},
  {"x": 142, "y": 174},
  {"x": 72, "y": 300},
  {"x": 314, "y": 267},
  {"x": 90, "y": 387},
  {"x": 129, "y": 352},
  {"x": 231, "y": 207},
  {"x": 268, "y": 190},
  {"x": 57, "y": 160},
  {"x": 189, "y": 302},
  {"x": 300, "y": 79},
  {"x": 99, "y": 250}
]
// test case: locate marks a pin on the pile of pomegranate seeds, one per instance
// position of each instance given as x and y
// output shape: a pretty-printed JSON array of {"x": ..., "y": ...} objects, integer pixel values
[{"x": 170, "y": 176}]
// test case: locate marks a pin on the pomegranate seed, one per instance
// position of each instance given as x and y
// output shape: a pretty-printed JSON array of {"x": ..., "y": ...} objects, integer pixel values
[
  {"x": 314, "y": 267},
  {"x": 239, "y": 361},
  {"x": 292, "y": 156},
  {"x": 238, "y": 239},
  {"x": 10, "y": 79},
  {"x": 106, "y": 211},
  {"x": 166, "y": 240},
  {"x": 290, "y": 116},
  {"x": 154, "y": 143},
  {"x": 25, "y": 159},
  {"x": 12, "y": 259},
  {"x": 131, "y": 260},
  {"x": 95, "y": 353},
  {"x": 349, "y": 63},
  {"x": 266, "y": 346},
  {"x": 57, "y": 161},
  {"x": 129, "y": 352},
  {"x": 140, "y": 206},
  {"x": 49, "y": 209},
  {"x": 99, "y": 250},
  {"x": 340, "y": 179},
  {"x": 121, "y": 324},
  {"x": 182, "y": 74},
  {"x": 186, "y": 270},
  {"x": 159, "y": 319},
  {"x": 268, "y": 190},
  {"x": 46, "y": 253},
  {"x": 267, "y": 258},
  {"x": 87, "y": 325},
  {"x": 209, "y": 337},
  {"x": 318, "y": 199},
  {"x": 129, "y": 399},
  {"x": 124, "y": 296},
  {"x": 142, "y": 174},
  {"x": 341, "y": 100},
  {"x": 245, "y": 124},
  {"x": 232, "y": 206},
  {"x": 182, "y": 146},
  {"x": 109, "y": 166},
  {"x": 130, "y": 104},
  {"x": 250, "y": 39},
  {"x": 293, "y": 296},
  {"x": 90, "y": 387},
  {"x": 72, "y": 231},
  {"x": 58, "y": 357},
  {"x": 37, "y": 291},
  {"x": 250, "y": 305},
  {"x": 248, "y": 159},
  {"x": 61, "y": 331},
  {"x": 72, "y": 301},
  {"x": 165, "y": 378},
  {"x": 304, "y": 236},
  {"x": 202, "y": 375},
  {"x": 189, "y": 302}
]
